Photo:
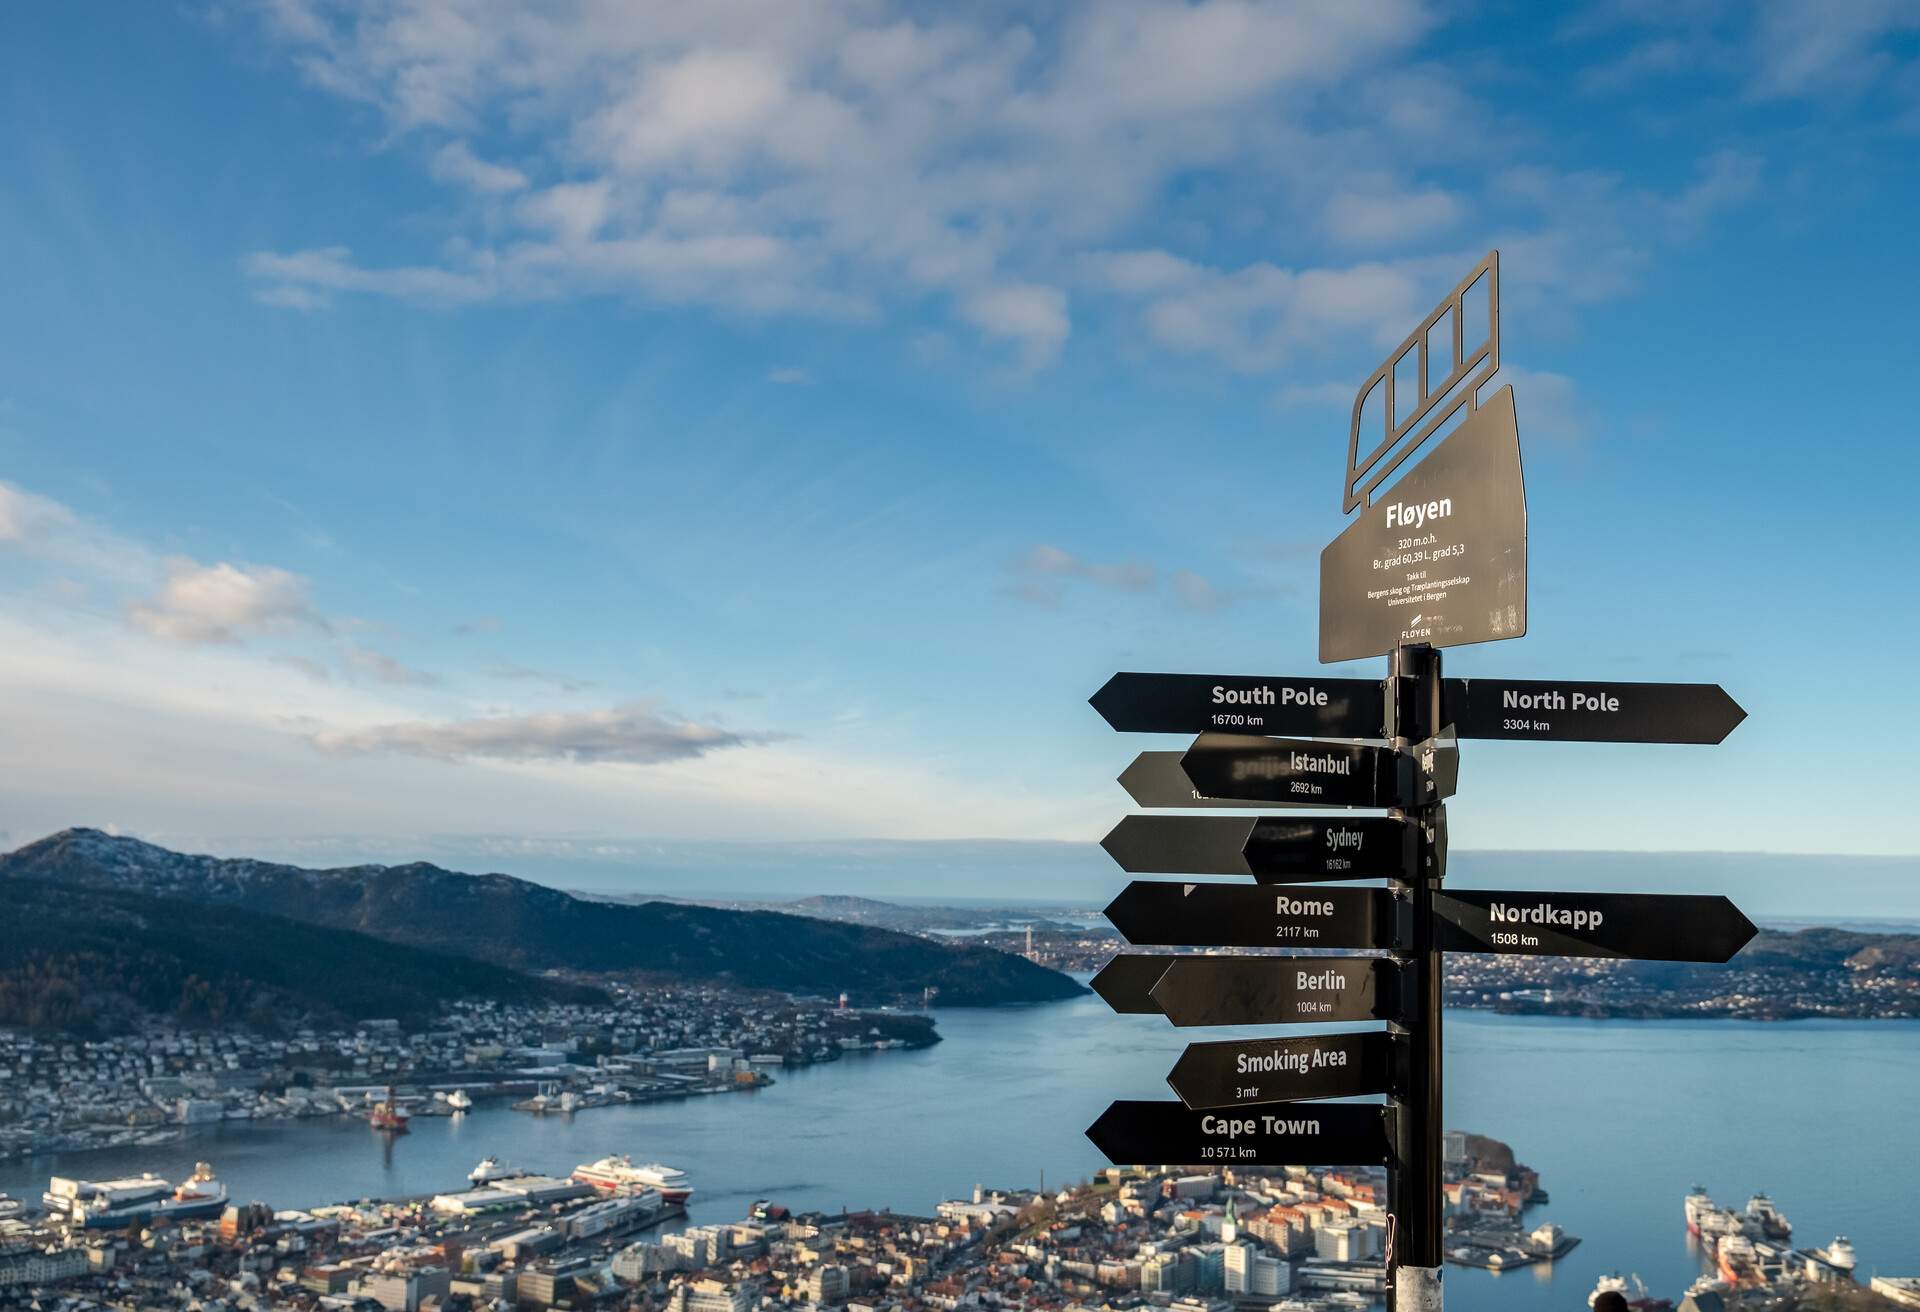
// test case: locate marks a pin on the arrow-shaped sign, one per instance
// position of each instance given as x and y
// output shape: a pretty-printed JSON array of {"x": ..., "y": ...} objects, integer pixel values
[
  {"x": 1243, "y": 1072},
  {"x": 1639, "y": 926},
  {"x": 1562, "y": 710},
  {"x": 1193, "y": 703},
  {"x": 1276, "y": 990},
  {"x": 1127, "y": 981},
  {"x": 1546, "y": 710},
  {"x": 1249, "y": 916},
  {"x": 1255, "y": 769},
  {"x": 1134, "y": 1133},
  {"x": 1266, "y": 847},
  {"x": 1155, "y": 779}
]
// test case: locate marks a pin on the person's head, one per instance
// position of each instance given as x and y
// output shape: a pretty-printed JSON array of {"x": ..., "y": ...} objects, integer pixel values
[{"x": 1611, "y": 1301}]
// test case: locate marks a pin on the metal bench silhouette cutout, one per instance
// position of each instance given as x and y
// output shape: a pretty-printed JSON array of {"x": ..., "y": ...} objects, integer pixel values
[{"x": 1472, "y": 360}]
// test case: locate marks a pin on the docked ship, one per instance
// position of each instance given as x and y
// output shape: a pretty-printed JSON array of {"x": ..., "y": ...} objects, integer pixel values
[
  {"x": 1698, "y": 1205},
  {"x": 1838, "y": 1254},
  {"x": 459, "y": 1101},
  {"x": 1772, "y": 1222},
  {"x": 1638, "y": 1299},
  {"x": 388, "y": 1115},
  {"x": 618, "y": 1174},
  {"x": 491, "y": 1169},
  {"x": 1760, "y": 1222},
  {"x": 135, "y": 1200}
]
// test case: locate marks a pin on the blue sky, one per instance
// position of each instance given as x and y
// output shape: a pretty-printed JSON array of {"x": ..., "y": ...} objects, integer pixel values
[{"x": 533, "y": 434}]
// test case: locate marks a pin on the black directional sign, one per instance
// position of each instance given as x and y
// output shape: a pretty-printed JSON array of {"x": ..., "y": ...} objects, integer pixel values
[
  {"x": 1196, "y": 703},
  {"x": 1169, "y": 1133},
  {"x": 1441, "y": 557},
  {"x": 1568, "y": 711},
  {"x": 1223, "y": 765},
  {"x": 1153, "y": 913},
  {"x": 1276, "y": 990},
  {"x": 1126, "y": 981},
  {"x": 1156, "y": 779},
  {"x": 1244, "y": 1072},
  {"x": 1640, "y": 926},
  {"x": 1267, "y": 847}
]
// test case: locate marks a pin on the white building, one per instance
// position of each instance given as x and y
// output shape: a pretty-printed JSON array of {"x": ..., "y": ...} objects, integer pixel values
[{"x": 1344, "y": 1241}]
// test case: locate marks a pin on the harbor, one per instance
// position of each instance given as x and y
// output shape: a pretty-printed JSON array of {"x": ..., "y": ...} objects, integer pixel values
[{"x": 855, "y": 1133}]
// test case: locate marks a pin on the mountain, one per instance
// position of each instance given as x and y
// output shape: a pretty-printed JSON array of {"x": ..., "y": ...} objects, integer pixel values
[
  {"x": 528, "y": 926},
  {"x": 83, "y": 959}
]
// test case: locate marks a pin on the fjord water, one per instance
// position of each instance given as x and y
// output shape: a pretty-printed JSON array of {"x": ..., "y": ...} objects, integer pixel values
[{"x": 1619, "y": 1118}]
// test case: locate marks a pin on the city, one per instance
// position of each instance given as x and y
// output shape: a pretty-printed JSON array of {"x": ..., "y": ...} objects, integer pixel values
[
  {"x": 869, "y": 656},
  {"x": 65, "y": 1093}
]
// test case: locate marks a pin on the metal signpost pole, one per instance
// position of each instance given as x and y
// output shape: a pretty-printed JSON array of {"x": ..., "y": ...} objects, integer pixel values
[
  {"x": 1413, "y": 709},
  {"x": 1435, "y": 557}
]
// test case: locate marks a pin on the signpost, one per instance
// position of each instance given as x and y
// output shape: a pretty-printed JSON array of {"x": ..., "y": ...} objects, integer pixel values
[
  {"x": 1336, "y": 1134},
  {"x": 1436, "y": 556},
  {"x": 1226, "y": 765},
  {"x": 1640, "y": 926},
  {"x": 1276, "y": 990},
  {"x": 1542, "y": 710},
  {"x": 1126, "y": 982},
  {"x": 1194, "y": 703},
  {"x": 1248, "y": 1072},
  {"x": 1273, "y": 849},
  {"x": 1567, "y": 711},
  {"x": 1248, "y": 916}
]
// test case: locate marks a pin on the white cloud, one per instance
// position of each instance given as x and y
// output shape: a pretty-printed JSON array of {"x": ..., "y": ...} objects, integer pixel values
[
  {"x": 385, "y": 668},
  {"x": 1033, "y": 318},
  {"x": 789, "y": 376},
  {"x": 821, "y": 159},
  {"x": 1546, "y": 405},
  {"x": 1327, "y": 395},
  {"x": 456, "y": 163},
  {"x": 634, "y": 734},
  {"x": 217, "y": 603},
  {"x": 1383, "y": 216},
  {"x": 848, "y": 162},
  {"x": 1041, "y": 575},
  {"x": 28, "y": 518}
]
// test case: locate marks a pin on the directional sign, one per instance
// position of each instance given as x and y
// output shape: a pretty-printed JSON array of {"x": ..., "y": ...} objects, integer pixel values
[
  {"x": 1276, "y": 990},
  {"x": 1640, "y": 926},
  {"x": 1242, "y": 1072},
  {"x": 1249, "y": 916},
  {"x": 1168, "y": 1133},
  {"x": 1195, "y": 703},
  {"x": 1563, "y": 710},
  {"x": 1270, "y": 848},
  {"x": 1156, "y": 779},
  {"x": 1440, "y": 557},
  {"x": 1225, "y": 765},
  {"x": 1127, "y": 980}
]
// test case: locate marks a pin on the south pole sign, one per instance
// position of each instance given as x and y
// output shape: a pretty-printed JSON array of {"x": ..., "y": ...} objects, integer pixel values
[{"x": 1435, "y": 556}]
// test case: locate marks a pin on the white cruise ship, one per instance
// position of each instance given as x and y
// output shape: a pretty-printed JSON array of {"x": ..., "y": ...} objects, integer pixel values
[
  {"x": 618, "y": 1174},
  {"x": 137, "y": 1200}
]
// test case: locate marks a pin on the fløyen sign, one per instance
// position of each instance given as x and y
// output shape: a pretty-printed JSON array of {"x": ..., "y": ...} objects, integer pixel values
[
  {"x": 1440, "y": 558},
  {"x": 1331, "y": 1134}
]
